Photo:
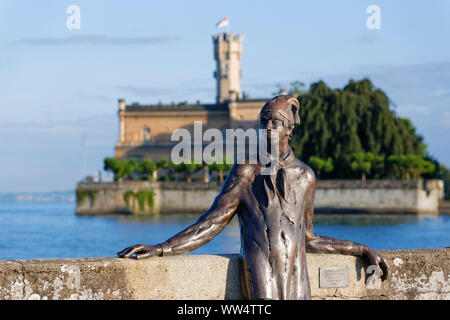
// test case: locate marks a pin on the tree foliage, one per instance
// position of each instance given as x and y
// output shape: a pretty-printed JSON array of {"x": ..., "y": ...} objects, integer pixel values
[
  {"x": 220, "y": 165},
  {"x": 341, "y": 123},
  {"x": 320, "y": 165},
  {"x": 163, "y": 163},
  {"x": 362, "y": 162},
  {"x": 147, "y": 168},
  {"x": 410, "y": 166},
  {"x": 188, "y": 168},
  {"x": 121, "y": 168}
]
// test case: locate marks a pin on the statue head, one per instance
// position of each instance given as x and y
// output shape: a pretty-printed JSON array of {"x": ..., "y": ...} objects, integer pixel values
[{"x": 280, "y": 113}]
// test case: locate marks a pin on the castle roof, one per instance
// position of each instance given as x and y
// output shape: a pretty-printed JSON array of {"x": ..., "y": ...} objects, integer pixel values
[{"x": 184, "y": 107}]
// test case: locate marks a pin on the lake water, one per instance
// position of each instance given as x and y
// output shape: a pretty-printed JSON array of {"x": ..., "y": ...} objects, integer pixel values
[{"x": 52, "y": 230}]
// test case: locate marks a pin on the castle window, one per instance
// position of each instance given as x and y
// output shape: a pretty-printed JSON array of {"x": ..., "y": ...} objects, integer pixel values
[{"x": 147, "y": 135}]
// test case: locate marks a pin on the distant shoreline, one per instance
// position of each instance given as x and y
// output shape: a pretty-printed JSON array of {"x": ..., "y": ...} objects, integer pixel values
[{"x": 38, "y": 197}]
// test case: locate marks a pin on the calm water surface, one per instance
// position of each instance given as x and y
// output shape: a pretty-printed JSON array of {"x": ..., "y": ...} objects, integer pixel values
[{"x": 52, "y": 230}]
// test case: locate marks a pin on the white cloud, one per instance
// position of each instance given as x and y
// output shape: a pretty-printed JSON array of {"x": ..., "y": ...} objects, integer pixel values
[{"x": 98, "y": 40}]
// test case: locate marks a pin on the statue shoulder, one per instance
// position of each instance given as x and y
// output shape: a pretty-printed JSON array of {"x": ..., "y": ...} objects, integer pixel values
[
  {"x": 238, "y": 173},
  {"x": 305, "y": 172},
  {"x": 246, "y": 170}
]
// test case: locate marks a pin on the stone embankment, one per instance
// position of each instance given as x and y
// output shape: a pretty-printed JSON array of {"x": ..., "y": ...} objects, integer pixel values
[
  {"x": 414, "y": 274},
  {"x": 444, "y": 207},
  {"x": 346, "y": 196}
]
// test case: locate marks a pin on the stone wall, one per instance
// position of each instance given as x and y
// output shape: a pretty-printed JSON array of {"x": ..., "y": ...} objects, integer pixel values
[
  {"x": 403, "y": 196},
  {"x": 196, "y": 197},
  {"x": 169, "y": 197},
  {"x": 444, "y": 207},
  {"x": 415, "y": 274}
]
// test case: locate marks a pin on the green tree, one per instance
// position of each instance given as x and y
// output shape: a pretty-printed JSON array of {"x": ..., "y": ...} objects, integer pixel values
[
  {"x": 110, "y": 164},
  {"x": 128, "y": 167},
  {"x": 417, "y": 165},
  {"x": 147, "y": 168},
  {"x": 378, "y": 169},
  {"x": 337, "y": 123},
  {"x": 163, "y": 163},
  {"x": 362, "y": 162},
  {"x": 221, "y": 165},
  {"x": 121, "y": 168},
  {"x": 187, "y": 167},
  {"x": 410, "y": 166},
  {"x": 320, "y": 165},
  {"x": 396, "y": 166}
]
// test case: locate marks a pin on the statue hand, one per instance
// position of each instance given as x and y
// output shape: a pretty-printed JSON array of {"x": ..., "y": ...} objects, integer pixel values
[
  {"x": 378, "y": 260},
  {"x": 141, "y": 251}
]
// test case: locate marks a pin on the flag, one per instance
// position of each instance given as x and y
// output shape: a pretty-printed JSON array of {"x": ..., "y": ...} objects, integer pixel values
[{"x": 222, "y": 23}]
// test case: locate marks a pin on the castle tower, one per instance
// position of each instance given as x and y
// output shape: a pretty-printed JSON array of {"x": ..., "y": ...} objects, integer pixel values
[{"x": 228, "y": 53}]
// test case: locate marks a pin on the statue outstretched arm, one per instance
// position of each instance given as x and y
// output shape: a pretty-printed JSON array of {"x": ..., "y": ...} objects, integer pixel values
[
  {"x": 210, "y": 224},
  {"x": 315, "y": 243}
]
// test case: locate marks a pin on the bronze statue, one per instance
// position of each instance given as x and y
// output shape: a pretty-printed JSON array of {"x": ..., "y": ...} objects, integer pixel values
[{"x": 275, "y": 216}]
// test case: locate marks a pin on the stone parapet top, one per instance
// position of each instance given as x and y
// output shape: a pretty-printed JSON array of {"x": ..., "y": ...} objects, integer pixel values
[{"x": 414, "y": 274}]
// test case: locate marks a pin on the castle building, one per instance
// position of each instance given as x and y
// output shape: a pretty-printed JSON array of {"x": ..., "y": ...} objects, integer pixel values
[{"x": 145, "y": 130}]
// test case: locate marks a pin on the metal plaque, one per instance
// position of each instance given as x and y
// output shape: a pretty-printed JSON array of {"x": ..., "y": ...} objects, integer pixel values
[{"x": 333, "y": 277}]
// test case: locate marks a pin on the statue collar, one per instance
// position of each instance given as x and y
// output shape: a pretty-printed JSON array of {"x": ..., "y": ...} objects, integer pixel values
[
  {"x": 277, "y": 164},
  {"x": 288, "y": 158}
]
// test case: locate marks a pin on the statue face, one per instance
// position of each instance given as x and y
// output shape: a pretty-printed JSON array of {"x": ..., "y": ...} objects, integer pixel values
[
  {"x": 280, "y": 114},
  {"x": 272, "y": 121}
]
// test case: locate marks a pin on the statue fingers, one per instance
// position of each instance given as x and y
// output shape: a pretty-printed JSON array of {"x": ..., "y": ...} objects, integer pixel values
[
  {"x": 128, "y": 252},
  {"x": 122, "y": 253},
  {"x": 145, "y": 255},
  {"x": 384, "y": 268},
  {"x": 379, "y": 261}
]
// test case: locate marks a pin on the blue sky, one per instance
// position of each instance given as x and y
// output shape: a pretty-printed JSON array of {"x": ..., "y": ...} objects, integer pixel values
[{"x": 57, "y": 84}]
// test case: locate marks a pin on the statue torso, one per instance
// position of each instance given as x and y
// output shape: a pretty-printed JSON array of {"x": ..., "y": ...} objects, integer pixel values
[{"x": 271, "y": 217}]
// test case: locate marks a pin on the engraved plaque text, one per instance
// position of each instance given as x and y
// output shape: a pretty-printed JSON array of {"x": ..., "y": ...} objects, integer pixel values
[{"x": 333, "y": 277}]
